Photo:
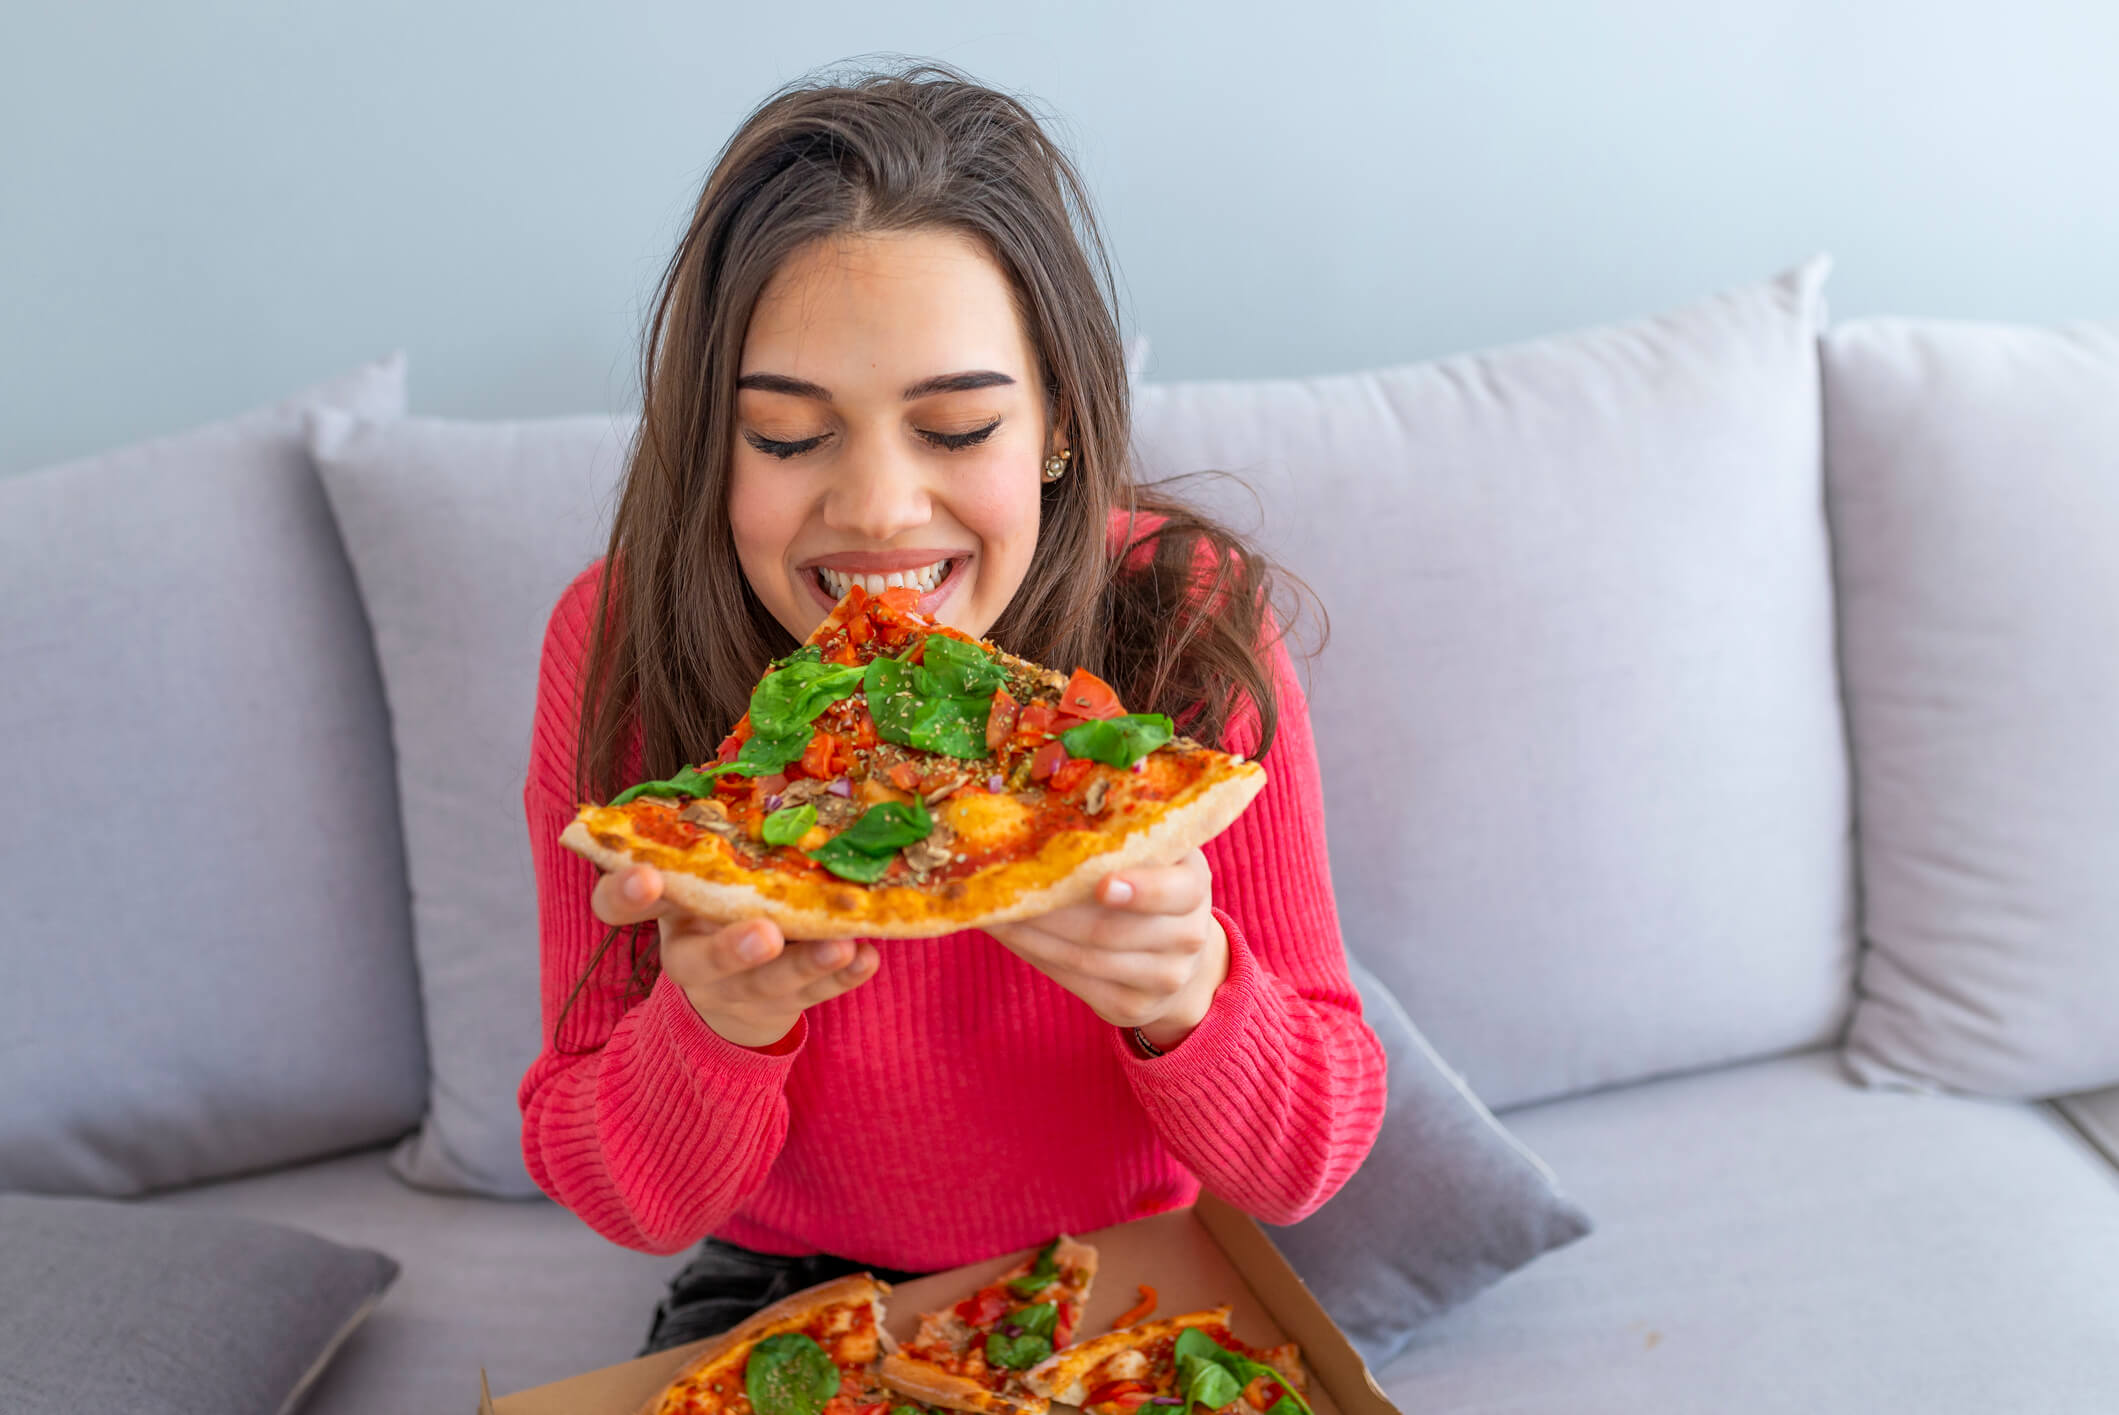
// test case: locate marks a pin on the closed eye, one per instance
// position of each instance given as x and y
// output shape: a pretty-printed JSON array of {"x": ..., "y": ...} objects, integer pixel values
[{"x": 947, "y": 441}]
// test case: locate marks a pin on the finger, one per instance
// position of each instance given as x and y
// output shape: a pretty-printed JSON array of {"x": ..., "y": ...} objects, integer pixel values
[
  {"x": 867, "y": 959},
  {"x": 700, "y": 953},
  {"x": 629, "y": 896},
  {"x": 803, "y": 963},
  {"x": 1112, "y": 947},
  {"x": 1181, "y": 888}
]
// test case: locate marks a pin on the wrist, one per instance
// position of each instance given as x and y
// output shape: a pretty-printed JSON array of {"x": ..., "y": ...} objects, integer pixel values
[
  {"x": 1191, "y": 1005},
  {"x": 758, "y": 1034}
]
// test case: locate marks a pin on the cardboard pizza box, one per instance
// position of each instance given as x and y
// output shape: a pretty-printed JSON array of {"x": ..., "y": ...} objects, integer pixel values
[{"x": 1198, "y": 1257}]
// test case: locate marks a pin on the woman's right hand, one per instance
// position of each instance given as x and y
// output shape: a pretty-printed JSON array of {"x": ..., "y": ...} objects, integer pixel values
[{"x": 744, "y": 979}]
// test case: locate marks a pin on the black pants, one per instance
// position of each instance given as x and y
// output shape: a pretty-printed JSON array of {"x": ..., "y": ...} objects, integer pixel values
[{"x": 723, "y": 1284}]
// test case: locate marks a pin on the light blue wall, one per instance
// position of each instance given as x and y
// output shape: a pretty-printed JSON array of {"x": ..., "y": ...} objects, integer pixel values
[{"x": 203, "y": 206}]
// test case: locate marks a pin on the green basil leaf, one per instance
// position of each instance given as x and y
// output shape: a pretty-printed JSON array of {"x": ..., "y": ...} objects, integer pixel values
[
  {"x": 892, "y": 700},
  {"x": 789, "y": 1374},
  {"x": 1287, "y": 1405},
  {"x": 762, "y": 756},
  {"x": 1041, "y": 1320},
  {"x": 955, "y": 727},
  {"x": 1017, "y": 1353},
  {"x": 850, "y": 862},
  {"x": 789, "y": 824},
  {"x": 921, "y": 1410},
  {"x": 1119, "y": 741},
  {"x": 951, "y": 668}
]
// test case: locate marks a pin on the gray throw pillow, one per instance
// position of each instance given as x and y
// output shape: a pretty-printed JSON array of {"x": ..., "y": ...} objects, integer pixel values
[
  {"x": 207, "y": 942},
  {"x": 113, "y": 1306},
  {"x": 1973, "y": 472},
  {"x": 464, "y": 535},
  {"x": 1447, "y": 1203}
]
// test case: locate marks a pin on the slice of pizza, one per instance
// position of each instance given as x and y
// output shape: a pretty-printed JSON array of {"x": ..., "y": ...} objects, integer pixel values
[
  {"x": 896, "y": 778},
  {"x": 972, "y": 1356},
  {"x": 1172, "y": 1365},
  {"x": 811, "y": 1353}
]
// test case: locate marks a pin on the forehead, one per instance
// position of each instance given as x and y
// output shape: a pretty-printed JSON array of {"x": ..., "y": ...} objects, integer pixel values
[{"x": 867, "y": 315}]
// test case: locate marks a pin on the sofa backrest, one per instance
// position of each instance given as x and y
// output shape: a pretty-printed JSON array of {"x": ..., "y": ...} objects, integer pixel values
[{"x": 1584, "y": 759}]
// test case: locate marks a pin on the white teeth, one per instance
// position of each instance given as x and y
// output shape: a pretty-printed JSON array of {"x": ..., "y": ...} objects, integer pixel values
[{"x": 837, "y": 582}]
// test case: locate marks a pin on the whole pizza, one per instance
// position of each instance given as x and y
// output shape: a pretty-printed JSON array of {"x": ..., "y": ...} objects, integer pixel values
[{"x": 897, "y": 778}]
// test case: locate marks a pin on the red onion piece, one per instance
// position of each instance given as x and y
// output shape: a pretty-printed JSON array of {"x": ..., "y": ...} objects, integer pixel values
[
  {"x": 840, "y": 786},
  {"x": 772, "y": 803},
  {"x": 995, "y": 782}
]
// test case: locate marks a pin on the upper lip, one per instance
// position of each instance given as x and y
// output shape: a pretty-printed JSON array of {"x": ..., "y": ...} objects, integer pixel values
[{"x": 880, "y": 562}]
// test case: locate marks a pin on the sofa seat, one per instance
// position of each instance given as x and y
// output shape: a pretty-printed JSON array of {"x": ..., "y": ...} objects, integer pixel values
[
  {"x": 1772, "y": 1238},
  {"x": 520, "y": 1287}
]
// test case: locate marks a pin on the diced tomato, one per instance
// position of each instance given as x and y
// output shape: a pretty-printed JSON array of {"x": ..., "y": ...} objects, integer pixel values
[
  {"x": 864, "y": 726},
  {"x": 983, "y": 1308},
  {"x": 1063, "y": 722},
  {"x": 1113, "y": 1390},
  {"x": 856, "y": 596},
  {"x": 1071, "y": 772},
  {"x": 1063, "y": 1329},
  {"x": 764, "y": 786},
  {"x": 1050, "y": 758},
  {"x": 876, "y": 1409},
  {"x": 1000, "y": 720},
  {"x": 859, "y": 630},
  {"x": 816, "y": 757},
  {"x": 730, "y": 745},
  {"x": 900, "y": 597},
  {"x": 1087, "y": 695},
  {"x": 841, "y": 756},
  {"x": 742, "y": 729},
  {"x": 905, "y": 776},
  {"x": 732, "y": 784},
  {"x": 1035, "y": 718},
  {"x": 844, "y": 653}
]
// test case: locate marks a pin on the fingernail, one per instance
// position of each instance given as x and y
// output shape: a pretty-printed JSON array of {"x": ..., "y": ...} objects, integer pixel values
[
  {"x": 636, "y": 887},
  {"x": 1118, "y": 892},
  {"x": 755, "y": 945}
]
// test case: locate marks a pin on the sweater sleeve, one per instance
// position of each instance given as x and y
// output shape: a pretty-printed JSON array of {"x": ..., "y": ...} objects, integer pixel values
[
  {"x": 639, "y": 1117},
  {"x": 1275, "y": 1098}
]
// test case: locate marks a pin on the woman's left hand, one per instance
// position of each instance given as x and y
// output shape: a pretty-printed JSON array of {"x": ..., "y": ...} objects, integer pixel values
[{"x": 1145, "y": 952}]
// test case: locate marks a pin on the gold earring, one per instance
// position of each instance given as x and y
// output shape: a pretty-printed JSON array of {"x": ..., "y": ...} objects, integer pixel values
[{"x": 1056, "y": 465}]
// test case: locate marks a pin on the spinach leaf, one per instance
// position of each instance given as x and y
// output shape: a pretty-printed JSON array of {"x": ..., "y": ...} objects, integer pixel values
[
  {"x": 1041, "y": 1274},
  {"x": 908, "y": 712},
  {"x": 951, "y": 668},
  {"x": 1041, "y": 1320},
  {"x": 789, "y": 824},
  {"x": 1119, "y": 741},
  {"x": 762, "y": 756},
  {"x": 789, "y": 1374},
  {"x": 908, "y": 1410},
  {"x": 789, "y": 699},
  {"x": 863, "y": 850},
  {"x": 692, "y": 781},
  {"x": 1017, "y": 1353},
  {"x": 1212, "y": 1375}
]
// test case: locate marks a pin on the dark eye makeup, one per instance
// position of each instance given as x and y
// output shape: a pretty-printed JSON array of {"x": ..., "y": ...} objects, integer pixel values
[{"x": 947, "y": 441}]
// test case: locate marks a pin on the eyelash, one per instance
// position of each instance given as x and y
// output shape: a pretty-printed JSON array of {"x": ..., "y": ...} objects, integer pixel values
[{"x": 947, "y": 441}]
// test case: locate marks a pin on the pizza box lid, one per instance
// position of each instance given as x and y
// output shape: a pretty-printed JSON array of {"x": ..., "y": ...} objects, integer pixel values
[{"x": 1196, "y": 1257}]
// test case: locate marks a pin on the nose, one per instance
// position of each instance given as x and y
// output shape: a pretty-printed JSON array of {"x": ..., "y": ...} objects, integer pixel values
[{"x": 878, "y": 495}]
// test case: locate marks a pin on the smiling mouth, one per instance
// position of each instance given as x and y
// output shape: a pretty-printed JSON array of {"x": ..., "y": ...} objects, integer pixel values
[{"x": 834, "y": 584}]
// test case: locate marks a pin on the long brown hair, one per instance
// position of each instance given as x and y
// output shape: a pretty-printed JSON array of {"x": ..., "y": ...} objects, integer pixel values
[{"x": 679, "y": 638}]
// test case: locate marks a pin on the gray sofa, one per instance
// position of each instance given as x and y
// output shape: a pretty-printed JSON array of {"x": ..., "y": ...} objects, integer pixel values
[{"x": 1716, "y": 736}]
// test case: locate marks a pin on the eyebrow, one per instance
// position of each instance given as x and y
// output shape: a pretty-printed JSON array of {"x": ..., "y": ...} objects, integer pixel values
[{"x": 926, "y": 387}]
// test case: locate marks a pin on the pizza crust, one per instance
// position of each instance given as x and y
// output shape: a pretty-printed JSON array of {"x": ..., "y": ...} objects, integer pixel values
[
  {"x": 790, "y": 1313},
  {"x": 810, "y": 908},
  {"x": 1064, "y": 1375},
  {"x": 925, "y": 1381}
]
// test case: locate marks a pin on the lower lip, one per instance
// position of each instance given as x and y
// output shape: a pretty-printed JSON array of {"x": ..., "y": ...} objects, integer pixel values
[{"x": 928, "y": 602}]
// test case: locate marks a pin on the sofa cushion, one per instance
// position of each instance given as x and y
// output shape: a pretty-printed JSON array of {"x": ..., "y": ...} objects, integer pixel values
[
  {"x": 111, "y": 1306},
  {"x": 1974, "y": 479},
  {"x": 1579, "y": 722},
  {"x": 207, "y": 939},
  {"x": 525, "y": 1290},
  {"x": 1775, "y": 1240},
  {"x": 1446, "y": 1204},
  {"x": 464, "y": 535}
]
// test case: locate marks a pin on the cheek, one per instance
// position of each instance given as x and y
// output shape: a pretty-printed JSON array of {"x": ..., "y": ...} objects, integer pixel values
[{"x": 762, "y": 519}]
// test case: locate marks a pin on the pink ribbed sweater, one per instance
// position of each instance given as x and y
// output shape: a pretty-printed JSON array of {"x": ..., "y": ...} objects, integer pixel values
[{"x": 960, "y": 1103}]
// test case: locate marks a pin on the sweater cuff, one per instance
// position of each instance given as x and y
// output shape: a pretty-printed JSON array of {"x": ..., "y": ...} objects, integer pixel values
[
  {"x": 1219, "y": 1039},
  {"x": 705, "y": 1049}
]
